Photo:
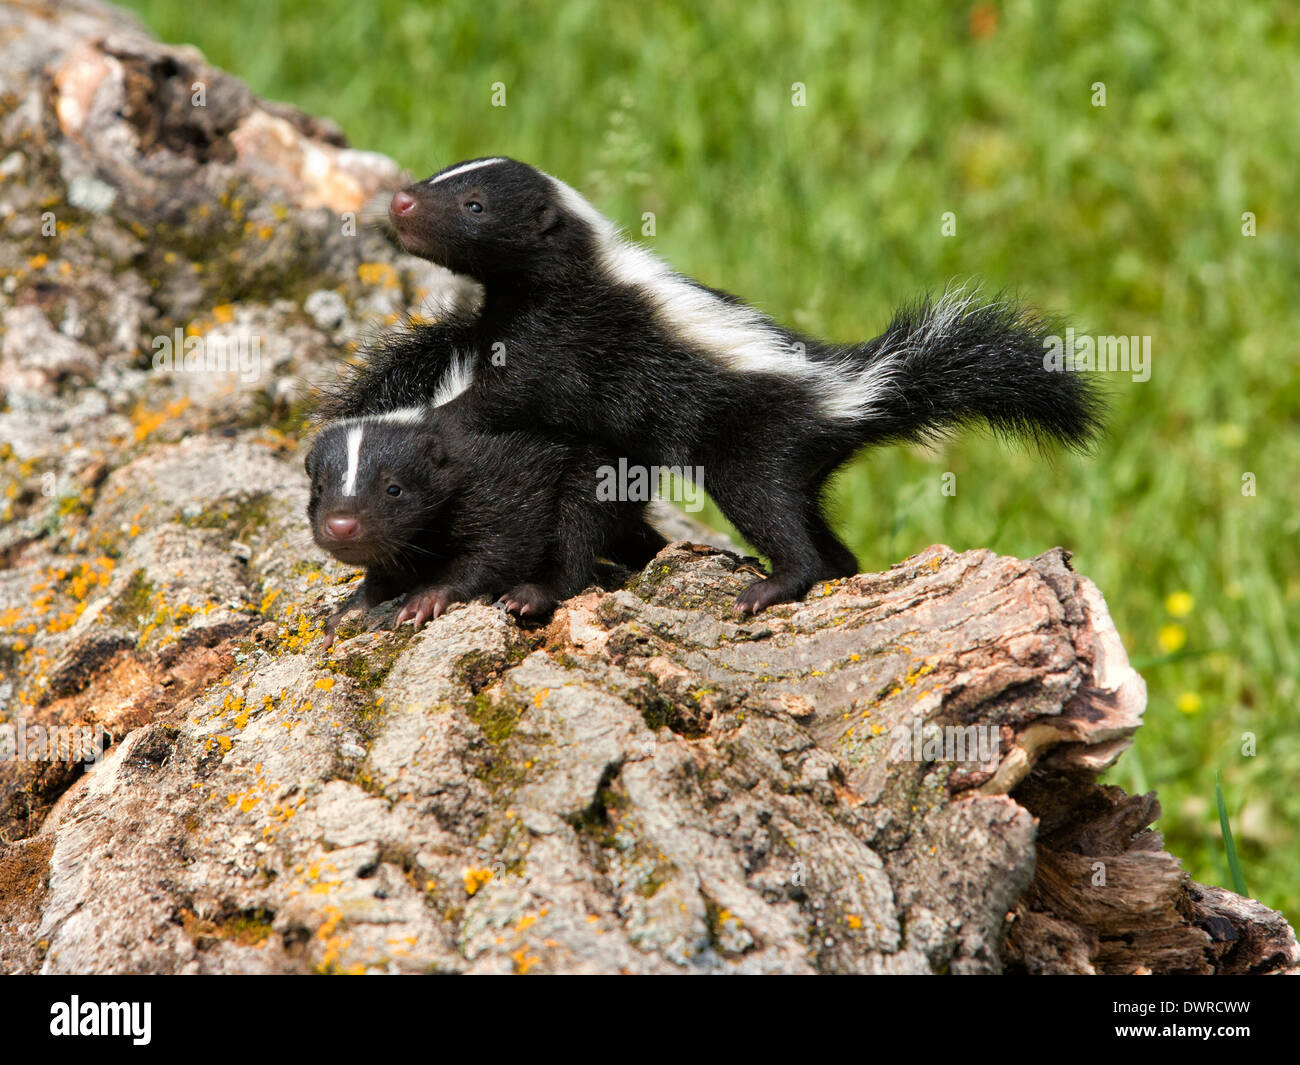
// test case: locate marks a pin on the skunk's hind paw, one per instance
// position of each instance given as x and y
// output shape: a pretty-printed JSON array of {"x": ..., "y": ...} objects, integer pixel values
[{"x": 769, "y": 592}]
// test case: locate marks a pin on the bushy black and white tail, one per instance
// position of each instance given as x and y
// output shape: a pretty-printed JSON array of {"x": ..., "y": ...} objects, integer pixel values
[{"x": 946, "y": 363}]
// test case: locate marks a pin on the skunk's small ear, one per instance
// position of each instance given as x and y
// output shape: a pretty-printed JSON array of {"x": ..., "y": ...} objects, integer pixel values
[
  {"x": 433, "y": 449},
  {"x": 309, "y": 463},
  {"x": 548, "y": 217}
]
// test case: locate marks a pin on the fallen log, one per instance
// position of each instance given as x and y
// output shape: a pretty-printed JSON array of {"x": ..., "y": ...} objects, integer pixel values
[{"x": 897, "y": 775}]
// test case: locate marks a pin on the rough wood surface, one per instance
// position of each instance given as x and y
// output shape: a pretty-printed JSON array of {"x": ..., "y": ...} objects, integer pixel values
[{"x": 897, "y": 775}]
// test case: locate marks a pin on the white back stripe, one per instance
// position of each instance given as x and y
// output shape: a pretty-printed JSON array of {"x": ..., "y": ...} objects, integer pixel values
[
  {"x": 458, "y": 378},
  {"x": 733, "y": 335},
  {"x": 354, "y": 460},
  {"x": 401, "y": 416},
  {"x": 463, "y": 169},
  {"x": 737, "y": 336}
]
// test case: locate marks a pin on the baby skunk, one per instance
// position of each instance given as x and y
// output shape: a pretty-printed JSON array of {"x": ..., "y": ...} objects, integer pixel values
[
  {"x": 587, "y": 334},
  {"x": 432, "y": 507}
]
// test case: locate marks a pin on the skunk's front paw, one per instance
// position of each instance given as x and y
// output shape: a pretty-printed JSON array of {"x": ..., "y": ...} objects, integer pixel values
[
  {"x": 427, "y": 603},
  {"x": 528, "y": 601}
]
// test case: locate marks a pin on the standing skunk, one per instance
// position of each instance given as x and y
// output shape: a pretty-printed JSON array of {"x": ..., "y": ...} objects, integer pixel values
[
  {"x": 584, "y": 333},
  {"x": 433, "y": 507}
]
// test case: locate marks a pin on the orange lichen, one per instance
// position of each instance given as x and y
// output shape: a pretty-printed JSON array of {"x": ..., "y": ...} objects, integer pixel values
[
  {"x": 147, "y": 423},
  {"x": 475, "y": 879},
  {"x": 378, "y": 274}
]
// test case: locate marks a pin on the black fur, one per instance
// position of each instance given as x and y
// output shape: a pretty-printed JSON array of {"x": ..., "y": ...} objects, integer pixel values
[
  {"x": 447, "y": 513},
  {"x": 580, "y": 352}
]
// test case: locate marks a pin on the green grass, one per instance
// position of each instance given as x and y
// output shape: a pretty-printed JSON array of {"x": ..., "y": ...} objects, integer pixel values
[
  {"x": 1128, "y": 217},
  {"x": 1229, "y": 847}
]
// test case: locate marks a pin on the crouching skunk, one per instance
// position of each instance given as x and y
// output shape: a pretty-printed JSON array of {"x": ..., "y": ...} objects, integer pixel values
[
  {"x": 584, "y": 334},
  {"x": 432, "y": 507}
]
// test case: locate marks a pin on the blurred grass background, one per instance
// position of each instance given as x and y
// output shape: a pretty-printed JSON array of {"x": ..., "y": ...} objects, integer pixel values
[{"x": 1127, "y": 216}]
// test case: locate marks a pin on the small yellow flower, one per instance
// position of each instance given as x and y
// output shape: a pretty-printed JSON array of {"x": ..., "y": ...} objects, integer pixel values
[
  {"x": 1230, "y": 434},
  {"x": 1180, "y": 604},
  {"x": 1172, "y": 638},
  {"x": 1189, "y": 702}
]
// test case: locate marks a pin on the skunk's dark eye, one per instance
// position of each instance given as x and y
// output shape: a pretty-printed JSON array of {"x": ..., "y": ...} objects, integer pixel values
[
  {"x": 394, "y": 489},
  {"x": 475, "y": 206}
]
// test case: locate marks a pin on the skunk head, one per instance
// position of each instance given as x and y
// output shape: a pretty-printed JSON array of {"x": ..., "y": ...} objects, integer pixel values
[
  {"x": 378, "y": 485},
  {"x": 495, "y": 220}
]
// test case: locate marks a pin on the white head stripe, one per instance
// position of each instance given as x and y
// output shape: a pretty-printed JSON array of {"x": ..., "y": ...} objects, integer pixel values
[
  {"x": 464, "y": 169},
  {"x": 354, "y": 460}
]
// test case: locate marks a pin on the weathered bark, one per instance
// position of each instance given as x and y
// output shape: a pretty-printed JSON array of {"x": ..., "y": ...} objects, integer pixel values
[{"x": 650, "y": 782}]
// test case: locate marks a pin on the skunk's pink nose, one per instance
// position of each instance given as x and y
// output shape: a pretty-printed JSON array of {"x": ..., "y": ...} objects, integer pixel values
[
  {"x": 342, "y": 528},
  {"x": 403, "y": 204}
]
